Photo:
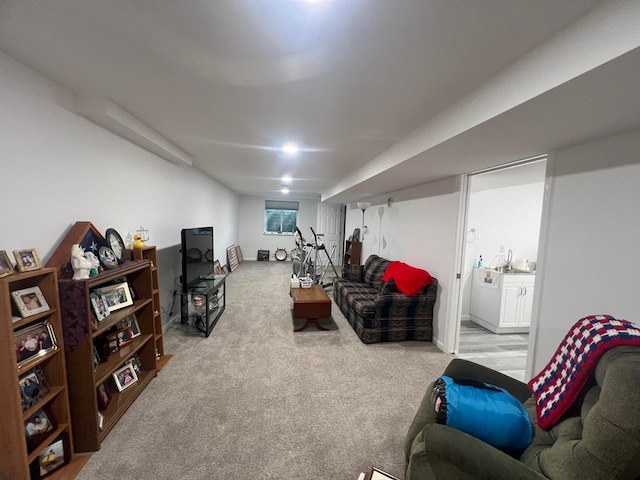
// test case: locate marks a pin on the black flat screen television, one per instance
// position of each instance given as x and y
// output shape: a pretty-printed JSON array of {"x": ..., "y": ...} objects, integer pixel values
[{"x": 197, "y": 255}]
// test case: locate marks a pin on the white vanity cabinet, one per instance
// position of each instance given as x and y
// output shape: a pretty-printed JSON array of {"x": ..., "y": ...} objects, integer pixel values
[{"x": 502, "y": 302}]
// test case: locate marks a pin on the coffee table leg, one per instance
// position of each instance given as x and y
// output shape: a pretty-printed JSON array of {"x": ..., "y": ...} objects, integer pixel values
[{"x": 309, "y": 322}]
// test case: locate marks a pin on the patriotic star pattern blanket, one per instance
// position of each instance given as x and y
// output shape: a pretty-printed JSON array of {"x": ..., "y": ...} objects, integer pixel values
[{"x": 557, "y": 386}]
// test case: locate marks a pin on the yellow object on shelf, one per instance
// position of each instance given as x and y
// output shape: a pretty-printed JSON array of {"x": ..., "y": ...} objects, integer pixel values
[{"x": 137, "y": 241}]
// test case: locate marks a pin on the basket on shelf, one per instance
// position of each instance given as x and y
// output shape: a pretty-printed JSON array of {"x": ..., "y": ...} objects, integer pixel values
[{"x": 306, "y": 282}]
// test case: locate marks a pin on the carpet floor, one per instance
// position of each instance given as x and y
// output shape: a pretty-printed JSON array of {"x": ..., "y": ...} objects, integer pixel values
[{"x": 257, "y": 400}]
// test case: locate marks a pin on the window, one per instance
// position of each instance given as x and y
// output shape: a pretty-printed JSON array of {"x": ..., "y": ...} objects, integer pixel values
[{"x": 280, "y": 217}]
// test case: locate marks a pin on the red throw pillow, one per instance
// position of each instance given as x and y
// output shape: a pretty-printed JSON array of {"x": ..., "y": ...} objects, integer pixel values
[{"x": 409, "y": 280}]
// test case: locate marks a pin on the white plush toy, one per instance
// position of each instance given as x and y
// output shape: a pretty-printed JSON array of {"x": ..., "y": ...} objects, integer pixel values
[{"x": 81, "y": 265}]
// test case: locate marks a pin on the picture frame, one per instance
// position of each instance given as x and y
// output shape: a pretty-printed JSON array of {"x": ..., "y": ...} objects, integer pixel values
[
  {"x": 33, "y": 387},
  {"x": 125, "y": 377},
  {"x": 239, "y": 253},
  {"x": 52, "y": 458},
  {"x": 38, "y": 425},
  {"x": 116, "y": 296},
  {"x": 131, "y": 322},
  {"x": 103, "y": 396},
  {"x": 225, "y": 270},
  {"x": 34, "y": 342},
  {"x": 136, "y": 363},
  {"x": 96, "y": 358},
  {"x": 377, "y": 474},
  {"x": 6, "y": 267},
  {"x": 27, "y": 260},
  {"x": 122, "y": 337},
  {"x": 100, "y": 307},
  {"x": 30, "y": 301},
  {"x": 100, "y": 420},
  {"x": 107, "y": 258},
  {"x": 217, "y": 268},
  {"x": 232, "y": 257},
  {"x": 115, "y": 242}
]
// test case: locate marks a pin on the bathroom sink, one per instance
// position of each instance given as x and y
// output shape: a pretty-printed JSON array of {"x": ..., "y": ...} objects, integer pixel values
[{"x": 512, "y": 270}]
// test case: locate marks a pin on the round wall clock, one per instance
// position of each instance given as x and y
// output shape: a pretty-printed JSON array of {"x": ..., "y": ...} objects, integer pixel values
[
  {"x": 114, "y": 241},
  {"x": 107, "y": 257}
]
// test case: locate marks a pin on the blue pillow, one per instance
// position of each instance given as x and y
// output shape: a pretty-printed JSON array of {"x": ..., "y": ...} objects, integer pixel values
[{"x": 484, "y": 411}]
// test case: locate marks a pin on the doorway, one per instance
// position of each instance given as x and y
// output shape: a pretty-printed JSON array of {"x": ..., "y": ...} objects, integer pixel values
[{"x": 503, "y": 214}]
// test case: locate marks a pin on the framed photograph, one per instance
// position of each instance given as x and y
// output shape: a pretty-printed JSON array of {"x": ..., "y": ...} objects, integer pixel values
[
  {"x": 116, "y": 296},
  {"x": 377, "y": 474},
  {"x": 125, "y": 377},
  {"x": 136, "y": 364},
  {"x": 115, "y": 242},
  {"x": 107, "y": 257},
  {"x": 30, "y": 301},
  {"x": 34, "y": 341},
  {"x": 103, "y": 395},
  {"x": 6, "y": 267},
  {"x": 217, "y": 268},
  {"x": 122, "y": 337},
  {"x": 130, "y": 322},
  {"x": 100, "y": 307},
  {"x": 38, "y": 424},
  {"x": 239, "y": 253},
  {"x": 52, "y": 458},
  {"x": 33, "y": 387},
  {"x": 100, "y": 420},
  {"x": 225, "y": 270},
  {"x": 27, "y": 259},
  {"x": 96, "y": 358}
]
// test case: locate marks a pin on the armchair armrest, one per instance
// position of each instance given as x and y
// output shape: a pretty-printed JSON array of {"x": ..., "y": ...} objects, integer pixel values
[{"x": 460, "y": 368}]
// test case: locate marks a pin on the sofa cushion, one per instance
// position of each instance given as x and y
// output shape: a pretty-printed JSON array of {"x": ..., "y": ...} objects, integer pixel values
[
  {"x": 361, "y": 298},
  {"x": 374, "y": 268}
]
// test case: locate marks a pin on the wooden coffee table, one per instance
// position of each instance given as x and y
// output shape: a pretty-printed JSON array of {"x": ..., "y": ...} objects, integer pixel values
[{"x": 312, "y": 304}]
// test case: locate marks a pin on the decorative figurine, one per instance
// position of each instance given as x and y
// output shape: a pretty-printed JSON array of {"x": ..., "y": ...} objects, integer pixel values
[
  {"x": 81, "y": 265},
  {"x": 95, "y": 262},
  {"x": 137, "y": 241}
]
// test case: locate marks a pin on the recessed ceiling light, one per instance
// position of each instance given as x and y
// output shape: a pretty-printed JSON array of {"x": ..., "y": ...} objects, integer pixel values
[
  {"x": 284, "y": 189},
  {"x": 286, "y": 178},
  {"x": 290, "y": 148}
]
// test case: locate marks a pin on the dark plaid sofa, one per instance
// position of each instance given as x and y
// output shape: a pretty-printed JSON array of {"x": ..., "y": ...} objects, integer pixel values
[{"x": 377, "y": 311}]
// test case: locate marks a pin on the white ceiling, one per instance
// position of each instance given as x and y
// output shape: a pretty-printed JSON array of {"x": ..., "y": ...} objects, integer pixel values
[{"x": 229, "y": 81}]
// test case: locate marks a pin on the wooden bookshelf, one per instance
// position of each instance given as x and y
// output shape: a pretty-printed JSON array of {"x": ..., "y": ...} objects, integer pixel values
[
  {"x": 19, "y": 458},
  {"x": 149, "y": 253},
  {"x": 84, "y": 331}
]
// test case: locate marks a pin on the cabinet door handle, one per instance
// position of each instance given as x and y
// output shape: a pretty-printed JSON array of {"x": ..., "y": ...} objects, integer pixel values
[{"x": 525, "y": 290}]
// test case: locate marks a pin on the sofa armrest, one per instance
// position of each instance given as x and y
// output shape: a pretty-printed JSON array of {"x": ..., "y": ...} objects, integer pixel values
[
  {"x": 439, "y": 451},
  {"x": 465, "y": 369},
  {"x": 353, "y": 272}
]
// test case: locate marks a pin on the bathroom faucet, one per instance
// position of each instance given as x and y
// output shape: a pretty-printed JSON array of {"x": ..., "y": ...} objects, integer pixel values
[{"x": 508, "y": 259}]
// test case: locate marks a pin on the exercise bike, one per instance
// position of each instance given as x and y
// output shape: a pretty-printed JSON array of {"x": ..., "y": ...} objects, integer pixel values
[{"x": 308, "y": 259}]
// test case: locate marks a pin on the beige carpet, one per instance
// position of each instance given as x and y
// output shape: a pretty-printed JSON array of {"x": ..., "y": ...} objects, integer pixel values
[{"x": 257, "y": 401}]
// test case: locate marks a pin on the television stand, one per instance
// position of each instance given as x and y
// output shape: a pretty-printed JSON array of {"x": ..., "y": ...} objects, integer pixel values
[{"x": 202, "y": 306}]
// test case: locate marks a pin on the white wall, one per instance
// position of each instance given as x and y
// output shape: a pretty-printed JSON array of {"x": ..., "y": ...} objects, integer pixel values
[
  {"x": 251, "y": 226},
  {"x": 58, "y": 168},
  {"x": 589, "y": 243},
  {"x": 508, "y": 216}
]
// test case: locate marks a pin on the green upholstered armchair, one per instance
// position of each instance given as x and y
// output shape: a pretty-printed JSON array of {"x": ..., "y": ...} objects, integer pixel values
[{"x": 599, "y": 438}]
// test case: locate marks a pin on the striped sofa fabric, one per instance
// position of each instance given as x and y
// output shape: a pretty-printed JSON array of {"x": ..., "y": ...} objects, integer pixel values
[{"x": 377, "y": 311}]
